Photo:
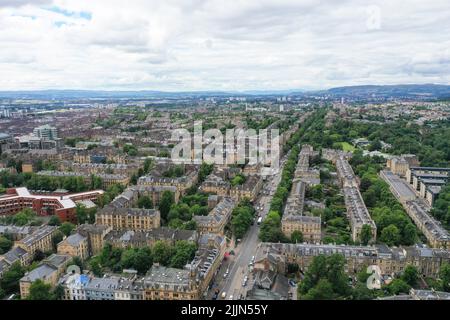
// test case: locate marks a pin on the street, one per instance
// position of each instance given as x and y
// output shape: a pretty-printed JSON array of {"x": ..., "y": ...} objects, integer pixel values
[{"x": 239, "y": 264}]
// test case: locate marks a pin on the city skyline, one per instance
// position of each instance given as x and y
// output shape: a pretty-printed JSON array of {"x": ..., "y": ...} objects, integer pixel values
[{"x": 210, "y": 45}]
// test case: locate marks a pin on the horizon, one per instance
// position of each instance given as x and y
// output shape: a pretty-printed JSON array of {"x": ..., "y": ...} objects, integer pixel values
[{"x": 298, "y": 90}]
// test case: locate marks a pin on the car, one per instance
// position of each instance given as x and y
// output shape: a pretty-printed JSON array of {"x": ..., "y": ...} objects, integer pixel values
[
  {"x": 230, "y": 297},
  {"x": 225, "y": 275},
  {"x": 223, "y": 295}
]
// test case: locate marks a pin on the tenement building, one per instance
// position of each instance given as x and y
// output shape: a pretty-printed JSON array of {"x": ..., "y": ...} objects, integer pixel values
[
  {"x": 128, "y": 218},
  {"x": 392, "y": 261},
  {"x": 357, "y": 212},
  {"x": 217, "y": 219}
]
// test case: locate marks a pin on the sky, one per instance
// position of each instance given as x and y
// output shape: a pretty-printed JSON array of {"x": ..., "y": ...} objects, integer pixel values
[{"x": 234, "y": 45}]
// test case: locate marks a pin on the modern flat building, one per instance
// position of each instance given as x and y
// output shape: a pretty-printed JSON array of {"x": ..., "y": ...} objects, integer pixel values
[
  {"x": 418, "y": 209},
  {"x": 64, "y": 207},
  {"x": 46, "y": 132}
]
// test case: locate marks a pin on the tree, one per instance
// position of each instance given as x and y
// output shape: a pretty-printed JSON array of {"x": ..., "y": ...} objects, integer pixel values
[
  {"x": 81, "y": 213},
  {"x": 365, "y": 184},
  {"x": 77, "y": 262},
  {"x": 39, "y": 290},
  {"x": 10, "y": 280},
  {"x": 57, "y": 238},
  {"x": 445, "y": 276},
  {"x": 23, "y": 217},
  {"x": 331, "y": 269},
  {"x": 270, "y": 228},
  {"x": 66, "y": 228},
  {"x": 184, "y": 253},
  {"x": 54, "y": 221},
  {"x": 366, "y": 234},
  {"x": 390, "y": 235},
  {"x": 167, "y": 199},
  {"x": 148, "y": 164},
  {"x": 409, "y": 234},
  {"x": 410, "y": 275},
  {"x": 398, "y": 286},
  {"x": 297, "y": 236},
  {"x": 95, "y": 266},
  {"x": 5, "y": 245},
  {"x": 204, "y": 171},
  {"x": 322, "y": 291},
  {"x": 96, "y": 182},
  {"x": 145, "y": 202},
  {"x": 162, "y": 253},
  {"x": 375, "y": 145},
  {"x": 143, "y": 260},
  {"x": 58, "y": 293}
]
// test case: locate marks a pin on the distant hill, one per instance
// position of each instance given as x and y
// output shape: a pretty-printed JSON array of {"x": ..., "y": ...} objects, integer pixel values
[
  {"x": 404, "y": 90},
  {"x": 418, "y": 91}
]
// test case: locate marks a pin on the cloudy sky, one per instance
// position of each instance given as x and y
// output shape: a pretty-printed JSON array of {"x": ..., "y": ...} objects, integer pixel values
[{"x": 177, "y": 45}]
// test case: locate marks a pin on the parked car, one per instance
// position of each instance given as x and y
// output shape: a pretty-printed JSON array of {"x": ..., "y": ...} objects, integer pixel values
[{"x": 224, "y": 294}]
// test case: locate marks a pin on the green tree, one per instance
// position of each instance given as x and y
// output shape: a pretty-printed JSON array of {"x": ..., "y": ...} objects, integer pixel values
[
  {"x": 5, "y": 245},
  {"x": 167, "y": 199},
  {"x": 143, "y": 260},
  {"x": 410, "y": 275},
  {"x": 58, "y": 292},
  {"x": 204, "y": 171},
  {"x": 390, "y": 235},
  {"x": 183, "y": 253},
  {"x": 145, "y": 202},
  {"x": 366, "y": 234},
  {"x": 409, "y": 234},
  {"x": 77, "y": 262},
  {"x": 54, "y": 221},
  {"x": 445, "y": 276},
  {"x": 398, "y": 286},
  {"x": 39, "y": 290},
  {"x": 95, "y": 266},
  {"x": 66, "y": 228},
  {"x": 322, "y": 291},
  {"x": 297, "y": 237},
  {"x": 57, "y": 238},
  {"x": 10, "y": 280},
  {"x": 270, "y": 228},
  {"x": 162, "y": 253}
]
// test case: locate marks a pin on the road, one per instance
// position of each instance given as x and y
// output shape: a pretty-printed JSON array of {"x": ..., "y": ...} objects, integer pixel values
[{"x": 238, "y": 265}]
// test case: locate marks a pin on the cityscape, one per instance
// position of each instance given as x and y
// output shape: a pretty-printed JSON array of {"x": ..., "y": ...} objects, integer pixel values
[{"x": 219, "y": 185}]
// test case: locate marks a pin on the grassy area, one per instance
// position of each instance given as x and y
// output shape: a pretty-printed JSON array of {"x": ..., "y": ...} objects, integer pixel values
[{"x": 347, "y": 147}]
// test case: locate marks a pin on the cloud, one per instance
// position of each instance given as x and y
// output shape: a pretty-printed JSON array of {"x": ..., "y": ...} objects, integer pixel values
[
  {"x": 216, "y": 44},
  {"x": 19, "y": 3}
]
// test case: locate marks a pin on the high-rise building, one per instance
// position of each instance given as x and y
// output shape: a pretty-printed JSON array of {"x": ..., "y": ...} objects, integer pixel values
[{"x": 46, "y": 132}]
